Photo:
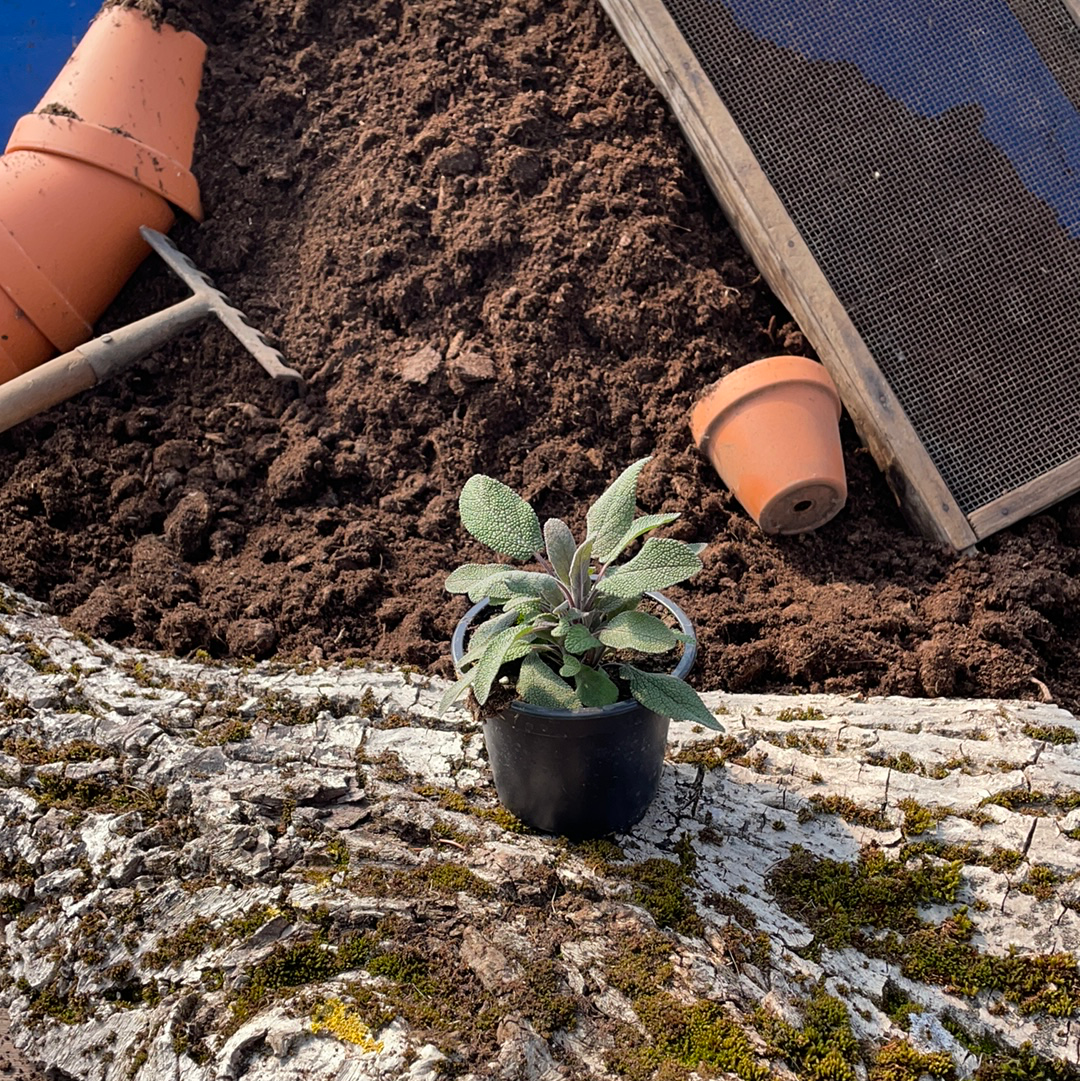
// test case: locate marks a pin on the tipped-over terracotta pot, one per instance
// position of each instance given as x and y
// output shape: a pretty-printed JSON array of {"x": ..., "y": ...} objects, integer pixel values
[
  {"x": 770, "y": 430},
  {"x": 108, "y": 150}
]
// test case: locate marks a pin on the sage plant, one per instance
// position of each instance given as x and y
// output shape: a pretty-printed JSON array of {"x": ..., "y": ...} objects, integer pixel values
[{"x": 566, "y": 635}]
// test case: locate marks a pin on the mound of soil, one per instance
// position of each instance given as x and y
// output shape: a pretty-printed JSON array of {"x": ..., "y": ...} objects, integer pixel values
[{"x": 475, "y": 229}]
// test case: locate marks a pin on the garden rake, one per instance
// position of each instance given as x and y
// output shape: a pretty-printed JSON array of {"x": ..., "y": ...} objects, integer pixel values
[{"x": 89, "y": 364}]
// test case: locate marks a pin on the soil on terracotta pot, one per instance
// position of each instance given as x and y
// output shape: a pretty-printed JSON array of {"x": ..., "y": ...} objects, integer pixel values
[{"x": 476, "y": 230}]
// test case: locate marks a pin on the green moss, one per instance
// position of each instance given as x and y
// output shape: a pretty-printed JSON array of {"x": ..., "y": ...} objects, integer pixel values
[
  {"x": 838, "y": 899},
  {"x": 450, "y": 878},
  {"x": 902, "y": 762},
  {"x": 598, "y": 853},
  {"x": 390, "y": 768},
  {"x": 99, "y": 793},
  {"x": 1059, "y": 734},
  {"x": 660, "y": 888},
  {"x": 234, "y": 731},
  {"x": 823, "y": 1049},
  {"x": 898, "y": 1006},
  {"x": 144, "y": 675},
  {"x": 201, "y": 935},
  {"x": 1040, "y": 882},
  {"x": 547, "y": 1005},
  {"x": 688, "y": 1036},
  {"x": 34, "y": 753},
  {"x": 277, "y": 707},
  {"x": 1032, "y": 801},
  {"x": 64, "y": 1006},
  {"x": 1001, "y": 860},
  {"x": 806, "y": 742},
  {"x": 314, "y": 961},
  {"x": 844, "y": 904},
  {"x": 642, "y": 965},
  {"x": 919, "y": 819},
  {"x": 710, "y": 754},
  {"x": 13, "y": 708},
  {"x": 338, "y": 851},
  {"x": 1024, "y": 1064},
  {"x": 403, "y": 966},
  {"x": 899, "y": 1061},
  {"x": 803, "y": 713},
  {"x": 451, "y": 800},
  {"x": 37, "y": 657},
  {"x": 9, "y": 606},
  {"x": 850, "y": 811}
]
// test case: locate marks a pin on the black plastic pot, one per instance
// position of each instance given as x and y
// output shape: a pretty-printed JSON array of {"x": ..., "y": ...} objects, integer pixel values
[{"x": 577, "y": 773}]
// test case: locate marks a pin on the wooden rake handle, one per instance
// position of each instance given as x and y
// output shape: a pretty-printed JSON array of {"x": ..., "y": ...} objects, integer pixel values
[{"x": 87, "y": 365}]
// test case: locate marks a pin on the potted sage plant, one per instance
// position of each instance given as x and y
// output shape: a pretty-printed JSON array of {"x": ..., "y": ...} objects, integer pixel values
[{"x": 563, "y": 669}]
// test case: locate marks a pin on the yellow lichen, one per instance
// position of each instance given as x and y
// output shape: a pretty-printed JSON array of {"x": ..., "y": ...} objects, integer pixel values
[{"x": 335, "y": 1017}]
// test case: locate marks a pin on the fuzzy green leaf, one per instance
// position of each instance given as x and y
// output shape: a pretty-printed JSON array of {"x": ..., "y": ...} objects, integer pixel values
[
  {"x": 455, "y": 691},
  {"x": 560, "y": 548},
  {"x": 570, "y": 667},
  {"x": 638, "y": 527},
  {"x": 539, "y": 685},
  {"x": 509, "y": 582},
  {"x": 640, "y": 631},
  {"x": 579, "y": 640},
  {"x": 465, "y": 578},
  {"x": 579, "y": 571},
  {"x": 610, "y": 516},
  {"x": 498, "y": 517},
  {"x": 521, "y": 648},
  {"x": 594, "y": 688},
  {"x": 612, "y": 606},
  {"x": 535, "y": 584},
  {"x": 660, "y": 563},
  {"x": 484, "y": 633},
  {"x": 668, "y": 696},
  {"x": 492, "y": 659}
]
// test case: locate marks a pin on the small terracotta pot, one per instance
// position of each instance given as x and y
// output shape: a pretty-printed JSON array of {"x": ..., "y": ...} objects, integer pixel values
[
  {"x": 770, "y": 430},
  {"x": 75, "y": 189}
]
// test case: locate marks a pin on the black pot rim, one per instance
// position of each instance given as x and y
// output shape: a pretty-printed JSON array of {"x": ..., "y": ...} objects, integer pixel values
[{"x": 626, "y": 705}]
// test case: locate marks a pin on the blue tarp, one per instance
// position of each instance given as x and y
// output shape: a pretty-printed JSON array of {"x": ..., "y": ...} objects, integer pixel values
[{"x": 36, "y": 38}]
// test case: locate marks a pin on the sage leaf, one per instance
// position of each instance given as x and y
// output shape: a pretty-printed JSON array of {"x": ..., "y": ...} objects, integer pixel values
[
  {"x": 579, "y": 640},
  {"x": 610, "y": 516},
  {"x": 560, "y": 548},
  {"x": 498, "y": 517},
  {"x": 638, "y": 527},
  {"x": 594, "y": 687},
  {"x": 579, "y": 571},
  {"x": 660, "y": 563},
  {"x": 484, "y": 633},
  {"x": 465, "y": 578},
  {"x": 491, "y": 661},
  {"x": 538, "y": 685},
  {"x": 640, "y": 631},
  {"x": 570, "y": 667},
  {"x": 455, "y": 691},
  {"x": 668, "y": 696},
  {"x": 535, "y": 584}
]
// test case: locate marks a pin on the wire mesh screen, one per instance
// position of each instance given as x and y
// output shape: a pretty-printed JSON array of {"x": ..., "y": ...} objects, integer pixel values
[{"x": 929, "y": 154}]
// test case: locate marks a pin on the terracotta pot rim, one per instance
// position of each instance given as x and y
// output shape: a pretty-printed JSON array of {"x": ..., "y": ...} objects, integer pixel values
[
  {"x": 64, "y": 136},
  {"x": 757, "y": 377}
]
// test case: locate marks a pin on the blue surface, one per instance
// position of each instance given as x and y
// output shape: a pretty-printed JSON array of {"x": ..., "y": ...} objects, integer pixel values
[
  {"x": 973, "y": 56},
  {"x": 36, "y": 38}
]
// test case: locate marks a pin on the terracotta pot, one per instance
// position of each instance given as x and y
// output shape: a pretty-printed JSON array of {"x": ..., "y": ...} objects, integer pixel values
[
  {"x": 770, "y": 430},
  {"x": 75, "y": 189}
]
